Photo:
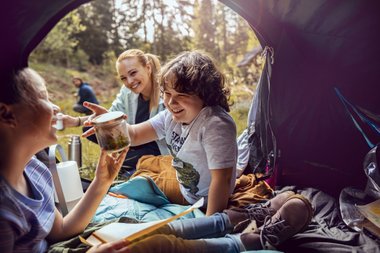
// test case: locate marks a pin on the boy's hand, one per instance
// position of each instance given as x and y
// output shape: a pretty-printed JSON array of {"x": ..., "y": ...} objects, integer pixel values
[
  {"x": 109, "y": 165},
  {"x": 97, "y": 110}
]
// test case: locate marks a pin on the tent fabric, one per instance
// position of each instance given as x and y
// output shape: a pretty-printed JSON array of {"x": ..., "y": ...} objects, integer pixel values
[
  {"x": 25, "y": 23},
  {"x": 318, "y": 46}
]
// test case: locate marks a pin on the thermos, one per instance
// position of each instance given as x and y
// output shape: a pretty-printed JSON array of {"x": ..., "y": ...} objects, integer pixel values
[{"x": 75, "y": 150}]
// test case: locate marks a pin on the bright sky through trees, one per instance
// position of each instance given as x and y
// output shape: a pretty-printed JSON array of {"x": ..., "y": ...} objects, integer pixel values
[{"x": 171, "y": 4}]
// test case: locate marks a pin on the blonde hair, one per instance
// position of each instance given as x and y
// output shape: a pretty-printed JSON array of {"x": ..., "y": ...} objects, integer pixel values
[{"x": 145, "y": 59}]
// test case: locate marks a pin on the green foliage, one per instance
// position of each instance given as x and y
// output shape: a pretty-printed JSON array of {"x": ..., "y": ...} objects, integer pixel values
[
  {"x": 241, "y": 97},
  {"x": 87, "y": 42},
  {"x": 128, "y": 22},
  {"x": 58, "y": 47},
  {"x": 97, "y": 17},
  {"x": 99, "y": 31},
  {"x": 204, "y": 28}
]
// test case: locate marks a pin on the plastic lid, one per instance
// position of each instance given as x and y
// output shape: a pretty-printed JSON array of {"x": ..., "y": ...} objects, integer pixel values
[{"x": 108, "y": 117}]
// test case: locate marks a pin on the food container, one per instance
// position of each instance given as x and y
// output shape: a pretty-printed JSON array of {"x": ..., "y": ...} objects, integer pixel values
[
  {"x": 59, "y": 124},
  {"x": 111, "y": 131}
]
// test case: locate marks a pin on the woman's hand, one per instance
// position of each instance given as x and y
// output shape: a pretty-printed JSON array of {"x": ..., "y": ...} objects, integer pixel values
[
  {"x": 120, "y": 246},
  {"x": 109, "y": 165}
]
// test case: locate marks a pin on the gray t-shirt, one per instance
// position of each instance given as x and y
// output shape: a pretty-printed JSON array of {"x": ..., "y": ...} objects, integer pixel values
[{"x": 208, "y": 142}]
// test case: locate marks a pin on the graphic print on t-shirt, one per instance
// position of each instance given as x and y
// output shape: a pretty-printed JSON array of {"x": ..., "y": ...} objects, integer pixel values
[
  {"x": 177, "y": 141},
  {"x": 187, "y": 176}
]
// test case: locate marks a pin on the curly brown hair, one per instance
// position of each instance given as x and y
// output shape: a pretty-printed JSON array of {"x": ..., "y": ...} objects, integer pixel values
[{"x": 195, "y": 73}]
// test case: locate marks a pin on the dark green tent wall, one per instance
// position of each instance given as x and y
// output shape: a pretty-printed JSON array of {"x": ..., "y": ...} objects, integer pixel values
[
  {"x": 23, "y": 24},
  {"x": 318, "y": 45}
]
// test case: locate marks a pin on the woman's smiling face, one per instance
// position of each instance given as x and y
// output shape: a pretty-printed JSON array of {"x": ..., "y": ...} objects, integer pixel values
[
  {"x": 135, "y": 76},
  {"x": 183, "y": 107}
]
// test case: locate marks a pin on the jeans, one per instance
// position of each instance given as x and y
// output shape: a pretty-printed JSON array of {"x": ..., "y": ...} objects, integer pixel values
[{"x": 198, "y": 235}]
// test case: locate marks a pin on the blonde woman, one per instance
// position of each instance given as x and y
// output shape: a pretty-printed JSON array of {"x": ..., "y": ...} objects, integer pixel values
[{"x": 139, "y": 98}]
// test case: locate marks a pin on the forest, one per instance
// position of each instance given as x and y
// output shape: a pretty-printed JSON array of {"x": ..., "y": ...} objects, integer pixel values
[
  {"x": 95, "y": 33},
  {"x": 87, "y": 41}
]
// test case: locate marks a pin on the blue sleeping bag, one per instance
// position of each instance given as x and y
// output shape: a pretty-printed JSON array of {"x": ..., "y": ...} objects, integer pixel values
[{"x": 145, "y": 202}]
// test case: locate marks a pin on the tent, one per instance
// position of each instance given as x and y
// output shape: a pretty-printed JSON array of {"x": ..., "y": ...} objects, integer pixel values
[
  {"x": 318, "y": 48},
  {"x": 249, "y": 57},
  {"x": 320, "y": 53}
]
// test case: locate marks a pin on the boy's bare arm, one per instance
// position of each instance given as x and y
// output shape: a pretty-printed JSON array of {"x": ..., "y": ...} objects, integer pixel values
[
  {"x": 219, "y": 191},
  {"x": 142, "y": 133}
]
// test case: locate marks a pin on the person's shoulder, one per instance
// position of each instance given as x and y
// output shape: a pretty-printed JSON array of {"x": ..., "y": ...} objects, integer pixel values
[
  {"x": 125, "y": 89},
  {"x": 11, "y": 211},
  {"x": 7, "y": 199},
  {"x": 35, "y": 162},
  {"x": 216, "y": 113},
  {"x": 162, "y": 116},
  {"x": 127, "y": 92},
  {"x": 85, "y": 86},
  {"x": 165, "y": 114},
  {"x": 36, "y": 167}
]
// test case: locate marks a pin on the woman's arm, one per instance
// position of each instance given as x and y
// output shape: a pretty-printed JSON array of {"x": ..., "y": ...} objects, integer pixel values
[
  {"x": 70, "y": 121},
  {"x": 77, "y": 220},
  {"x": 219, "y": 191}
]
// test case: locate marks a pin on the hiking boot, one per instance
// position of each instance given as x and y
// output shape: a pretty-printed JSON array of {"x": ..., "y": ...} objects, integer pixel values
[
  {"x": 277, "y": 202},
  {"x": 241, "y": 218},
  {"x": 293, "y": 217}
]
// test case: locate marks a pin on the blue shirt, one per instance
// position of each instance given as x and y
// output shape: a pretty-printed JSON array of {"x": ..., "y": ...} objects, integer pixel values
[
  {"x": 26, "y": 222},
  {"x": 86, "y": 93}
]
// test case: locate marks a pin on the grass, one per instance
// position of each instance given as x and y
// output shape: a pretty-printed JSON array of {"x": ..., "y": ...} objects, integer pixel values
[
  {"x": 90, "y": 150},
  {"x": 242, "y": 97}
]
